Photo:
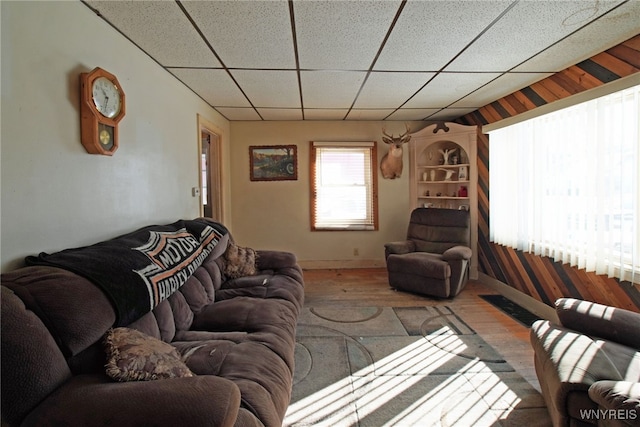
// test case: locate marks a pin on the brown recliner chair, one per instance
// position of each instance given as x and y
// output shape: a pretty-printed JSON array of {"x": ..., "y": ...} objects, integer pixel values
[{"x": 434, "y": 259}]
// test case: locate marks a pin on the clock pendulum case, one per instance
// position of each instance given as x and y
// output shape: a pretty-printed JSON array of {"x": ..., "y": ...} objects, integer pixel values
[{"x": 102, "y": 106}]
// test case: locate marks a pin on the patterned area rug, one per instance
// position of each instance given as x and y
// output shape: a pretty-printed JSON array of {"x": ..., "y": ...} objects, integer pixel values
[{"x": 404, "y": 366}]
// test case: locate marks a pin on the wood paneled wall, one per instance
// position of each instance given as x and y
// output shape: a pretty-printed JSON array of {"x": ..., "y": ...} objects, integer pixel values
[{"x": 541, "y": 277}]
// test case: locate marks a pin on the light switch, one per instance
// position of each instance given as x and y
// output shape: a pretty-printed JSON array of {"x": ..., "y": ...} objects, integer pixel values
[{"x": 195, "y": 191}]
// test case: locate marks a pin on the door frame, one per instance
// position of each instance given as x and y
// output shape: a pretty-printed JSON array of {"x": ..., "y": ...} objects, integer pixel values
[{"x": 214, "y": 162}]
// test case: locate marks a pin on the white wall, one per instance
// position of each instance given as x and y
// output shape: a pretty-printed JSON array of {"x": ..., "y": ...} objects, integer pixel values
[
  {"x": 276, "y": 215},
  {"x": 54, "y": 194}
]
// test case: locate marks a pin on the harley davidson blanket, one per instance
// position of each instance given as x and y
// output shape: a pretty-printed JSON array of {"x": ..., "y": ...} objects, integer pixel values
[{"x": 140, "y": 269}]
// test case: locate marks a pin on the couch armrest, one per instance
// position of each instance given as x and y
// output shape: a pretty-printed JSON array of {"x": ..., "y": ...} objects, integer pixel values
[
  {"x": 568, "y": 363},
  {"x": 402, "y": 247},
  {"x": 609, "y": 323},
  {"x": 621, "y": 397},
  {"x": 575, "y": 360},
  {"x": 274, "y": 260},
  {"x": 97, "y": 401},
  {"x": 456, "y": 253}
]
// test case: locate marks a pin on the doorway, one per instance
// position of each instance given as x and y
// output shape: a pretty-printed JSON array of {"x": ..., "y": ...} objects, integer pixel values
[{"x": 210, "y": 168}]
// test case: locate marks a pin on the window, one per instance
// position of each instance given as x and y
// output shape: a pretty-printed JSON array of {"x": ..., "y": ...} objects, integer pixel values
[
  {"x": 565, "y": 185},
  {"x": 344, "y": 193}
]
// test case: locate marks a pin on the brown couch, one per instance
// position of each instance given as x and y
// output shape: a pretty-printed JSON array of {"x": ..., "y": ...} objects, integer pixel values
[
  {"x": 589, "y": 365},
  {"x": 235, "y": 335}
]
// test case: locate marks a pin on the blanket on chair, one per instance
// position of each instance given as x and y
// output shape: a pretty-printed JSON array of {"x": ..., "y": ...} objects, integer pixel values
[{"x": 140, "y": 269}]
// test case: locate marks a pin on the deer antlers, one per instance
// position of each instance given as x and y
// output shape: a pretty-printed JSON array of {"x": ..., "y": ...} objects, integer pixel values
[{"x": 399, "y": 140}]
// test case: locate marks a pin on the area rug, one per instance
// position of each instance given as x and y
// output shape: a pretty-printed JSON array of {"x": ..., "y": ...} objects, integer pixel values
[
  {"x": 509, "y": 307},
  {"x": 403, "y": 366}
]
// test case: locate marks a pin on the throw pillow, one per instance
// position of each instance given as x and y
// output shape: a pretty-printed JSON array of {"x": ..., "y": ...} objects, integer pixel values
[
  {"x": 239, "y": 261},
  {"x": 135, "y": 356}
]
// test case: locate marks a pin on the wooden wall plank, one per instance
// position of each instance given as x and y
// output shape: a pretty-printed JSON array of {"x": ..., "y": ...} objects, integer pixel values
[
  {"x": 541, "y": 277},
  {"x": 627, "y": 54},
  {"x": 615, "y": 65}
]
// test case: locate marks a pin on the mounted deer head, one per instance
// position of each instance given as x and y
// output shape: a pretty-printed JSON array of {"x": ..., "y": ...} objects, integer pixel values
[{"x": 391, "y": 163}]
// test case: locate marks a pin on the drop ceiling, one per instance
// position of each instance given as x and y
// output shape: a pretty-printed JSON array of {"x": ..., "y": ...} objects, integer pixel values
[{"x": 366, "y": 60}]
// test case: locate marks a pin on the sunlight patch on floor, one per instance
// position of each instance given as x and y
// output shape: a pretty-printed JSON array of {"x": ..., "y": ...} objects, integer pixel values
[{"x": 472, "y": 396}]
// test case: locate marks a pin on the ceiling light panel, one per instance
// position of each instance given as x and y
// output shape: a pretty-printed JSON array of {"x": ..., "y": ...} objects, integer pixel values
[
  {"x": 341, "y": 35},
  {"x": 160, "y": 29},
  {"x": 429, "y": 34},
  {"x": 330, "y": 89},
  {"x": 214, "y": 86},
  {"x": 390, "y": 90},
  {"x": 269, "y": 88},
  {"x": 542, "y": 23},
  {"x": 589, "y": 40},
  {"x": 447, "y": 88},
  {"x": 247, "y": 34}
]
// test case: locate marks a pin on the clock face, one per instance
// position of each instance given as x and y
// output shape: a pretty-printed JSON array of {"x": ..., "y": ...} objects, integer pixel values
[{"x": 106, "y": 97}]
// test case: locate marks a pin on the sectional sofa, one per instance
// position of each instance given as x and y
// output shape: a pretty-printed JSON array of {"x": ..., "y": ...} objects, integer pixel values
[{"x": 169, "y": 325}]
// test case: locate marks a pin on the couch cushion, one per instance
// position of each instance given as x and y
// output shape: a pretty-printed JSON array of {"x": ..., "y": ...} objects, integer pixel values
[
  {"x": 421, "y": 264},
  {"x": 76, "y": 312},
  {"x": 134, "y": 356},
  {"x": 32, "y": 364}
]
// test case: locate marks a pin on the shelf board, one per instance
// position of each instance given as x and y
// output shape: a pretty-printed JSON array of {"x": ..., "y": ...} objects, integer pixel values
[
  {"x": 443, "y": 197},
  {"x": 444, "y": 182},
  {"x": 443, "y": 166}
]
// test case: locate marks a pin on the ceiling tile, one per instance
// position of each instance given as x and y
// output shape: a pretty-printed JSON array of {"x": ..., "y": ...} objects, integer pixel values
[
  {"x": 429, "y": 34},
  {"x": 369, "y": 114},
  {"x": 214, "y": 86},
  {"x": 338, "y": 41},
  {"x": 269, "y": 88},
  {"x": 280, "y": 113},
  {"x": 160, "y": 29},
  {"x": 390, "y": 90},
  {"x": 238, "y": 113},
  {"x": 412, "y": 113},
  {"x": 247, "y": 34},
  {"x": 447, "y": 88},
  {"x": 330, "y": 89},
  {"x": 502, "y": 86},
  {"x": 324, "y": 114},
  {"x": 589, "y": 40},
  {"x": 541, "y": 23},
  {"x": 450, "y": 114},
  {"x": 341, "y": 35}
]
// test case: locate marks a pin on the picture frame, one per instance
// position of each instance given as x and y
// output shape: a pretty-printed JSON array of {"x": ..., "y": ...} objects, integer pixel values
[{"x": 273, "y": 162}]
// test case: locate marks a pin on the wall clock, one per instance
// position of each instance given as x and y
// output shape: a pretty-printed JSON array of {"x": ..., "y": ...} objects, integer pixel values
[{"x": 102, "y": 106}]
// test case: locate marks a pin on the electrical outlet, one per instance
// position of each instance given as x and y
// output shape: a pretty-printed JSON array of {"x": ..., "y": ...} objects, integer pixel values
[{"x": 356, "y": 252}]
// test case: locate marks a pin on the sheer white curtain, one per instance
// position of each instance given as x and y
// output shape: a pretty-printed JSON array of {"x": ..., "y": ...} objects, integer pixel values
[{"x": 566, "y": 185}]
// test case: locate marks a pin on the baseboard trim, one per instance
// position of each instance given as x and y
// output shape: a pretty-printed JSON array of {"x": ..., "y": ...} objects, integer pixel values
[{"x": 533, "y": 305}]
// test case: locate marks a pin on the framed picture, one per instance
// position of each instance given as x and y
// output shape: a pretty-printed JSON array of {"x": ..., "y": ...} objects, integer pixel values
[{"x": 273, "y": 162}]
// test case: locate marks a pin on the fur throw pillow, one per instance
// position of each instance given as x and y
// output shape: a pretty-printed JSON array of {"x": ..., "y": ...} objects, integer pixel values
[
  {"x": 135, "y": 356},
  {"x": 239, "y": 261}
]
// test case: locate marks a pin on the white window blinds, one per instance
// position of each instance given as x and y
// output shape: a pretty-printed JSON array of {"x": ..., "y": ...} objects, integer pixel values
[{"x": 343, "y": 194}]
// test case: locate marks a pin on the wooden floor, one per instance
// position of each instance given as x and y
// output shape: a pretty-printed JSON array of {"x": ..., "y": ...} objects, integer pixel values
[{"x": 370, "y": 287}]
